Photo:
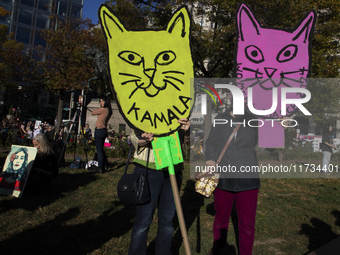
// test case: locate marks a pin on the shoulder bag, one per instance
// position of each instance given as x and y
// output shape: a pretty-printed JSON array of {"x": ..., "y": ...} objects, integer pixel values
[
  {"x": 133, "y": 188},
  {"x": 206, "y": 183}
]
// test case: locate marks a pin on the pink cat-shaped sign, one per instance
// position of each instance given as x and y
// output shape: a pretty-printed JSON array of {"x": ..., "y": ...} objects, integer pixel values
[{"x": 267, "y": 58}]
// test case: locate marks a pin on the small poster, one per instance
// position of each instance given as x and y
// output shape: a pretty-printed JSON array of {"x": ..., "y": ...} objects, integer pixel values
[
  {"x": 37, "y": 124},
  {"x": 16, "y": 170}
]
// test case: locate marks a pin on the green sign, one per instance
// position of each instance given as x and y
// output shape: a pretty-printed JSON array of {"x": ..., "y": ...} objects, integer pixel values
[{"x": 167, "y": 151}]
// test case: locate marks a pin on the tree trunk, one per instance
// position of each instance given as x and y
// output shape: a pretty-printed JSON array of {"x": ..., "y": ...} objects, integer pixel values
[{"x": 60, "y": 111}]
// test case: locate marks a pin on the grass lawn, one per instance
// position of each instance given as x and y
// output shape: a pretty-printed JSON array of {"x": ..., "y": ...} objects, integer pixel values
[{"x": 82, "y": 215}]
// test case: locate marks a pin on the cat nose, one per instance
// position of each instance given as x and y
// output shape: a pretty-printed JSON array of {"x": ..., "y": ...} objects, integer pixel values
[
  {"x": 149, "y": 72},
  {"x": 270, "y": 71}
]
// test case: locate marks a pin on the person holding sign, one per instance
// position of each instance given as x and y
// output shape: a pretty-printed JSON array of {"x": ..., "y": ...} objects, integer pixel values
[
  {"x": 234, "y": 185},
  {"x": 150, "y": 72},
  {"x": 45, "y": 166},
  {"x": 104, "y": 113},
  {"x": 160, "y": 193}
]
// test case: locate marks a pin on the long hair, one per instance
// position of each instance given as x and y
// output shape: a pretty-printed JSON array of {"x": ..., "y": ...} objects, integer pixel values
[
  {"x": 44, "y": 145},
  {"x": 326, "y": 128},
  {"x": 107, "y": 105}
]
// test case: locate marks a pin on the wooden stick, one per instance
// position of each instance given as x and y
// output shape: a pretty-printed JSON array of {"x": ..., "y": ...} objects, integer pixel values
[{"x": 180, "y": 214}]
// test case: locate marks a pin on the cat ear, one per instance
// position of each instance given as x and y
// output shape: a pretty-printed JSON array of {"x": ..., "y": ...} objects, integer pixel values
[
  {"x": 304, "y": 30},
  {"x": 180, "y": 23},
  {"x": 246, "y": 23},
  {"x": 110, "y": 23}
]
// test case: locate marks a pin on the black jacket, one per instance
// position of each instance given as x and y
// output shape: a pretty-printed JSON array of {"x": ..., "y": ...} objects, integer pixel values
[
  {"x": 326, "y": 138},
  {"x": 240, "y": 155}
]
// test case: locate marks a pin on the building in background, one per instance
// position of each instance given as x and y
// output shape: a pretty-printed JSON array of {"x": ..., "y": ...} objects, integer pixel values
[{"x": 27, "y": 19}]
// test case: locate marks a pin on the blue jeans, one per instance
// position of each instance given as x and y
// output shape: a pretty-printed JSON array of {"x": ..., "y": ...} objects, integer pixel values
[
  {"x": 326, "y": 159},
  {"x": 161, "y": 196},
  {"x": 99, "y": 139}
]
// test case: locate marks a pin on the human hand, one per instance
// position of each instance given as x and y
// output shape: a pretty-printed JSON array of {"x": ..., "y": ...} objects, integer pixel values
[
  {"x": 210, "y": 163},
  {"x": 12, "y": 157},
  {"x": 147, "y": 137},
  {"x": 185, "y": 124}
]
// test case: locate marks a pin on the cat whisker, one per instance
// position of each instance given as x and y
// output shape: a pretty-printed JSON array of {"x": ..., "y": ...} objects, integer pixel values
[
  {"x": 257, "y": 81},
  {"x": 250, "y": 79},
  {"x": 284, "y": 73},
  {"x": 172, "y": 84},
  {"x": 286, "y": 84},
  {"x": 253, "y": 70},
  {"x": 128, "y": 74},
  {"x": 138, "y": 87},
  {"x": 125, "y": 82},
  {"x": 293, "y": 81},
  {"x": 269, "y": 88},
  {"x": 178, "y": 72},
  {"x": 175, "y": 79}
]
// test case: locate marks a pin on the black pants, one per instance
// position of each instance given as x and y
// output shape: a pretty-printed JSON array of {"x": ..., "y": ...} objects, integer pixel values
[{"x": 99, "y": 139}]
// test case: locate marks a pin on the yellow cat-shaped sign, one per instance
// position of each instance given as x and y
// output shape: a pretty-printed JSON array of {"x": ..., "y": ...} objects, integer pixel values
[{"x": 151, "y": 72}]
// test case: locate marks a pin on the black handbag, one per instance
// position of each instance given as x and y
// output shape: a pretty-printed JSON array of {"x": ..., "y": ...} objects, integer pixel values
[{"x": 133, "y": 188}]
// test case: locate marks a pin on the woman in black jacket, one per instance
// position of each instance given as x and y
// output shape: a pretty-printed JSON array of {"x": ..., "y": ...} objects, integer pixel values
[
  {"x": 235, "y": 183},
  {"x": 45, "y": 166}
]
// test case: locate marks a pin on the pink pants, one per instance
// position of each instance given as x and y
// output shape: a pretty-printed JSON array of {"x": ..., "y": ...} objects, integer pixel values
[{"x": 246, "y": 203}]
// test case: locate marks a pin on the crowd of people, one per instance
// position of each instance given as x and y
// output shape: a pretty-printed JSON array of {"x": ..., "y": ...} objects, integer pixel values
[
  {"x": 44, "y": 137},
  {"x": 45, "y": 165},
  {"x": 22, "y": 131}
]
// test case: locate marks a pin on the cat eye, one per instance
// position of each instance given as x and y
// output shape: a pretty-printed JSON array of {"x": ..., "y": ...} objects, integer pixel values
[
  {"x": 287, "y": 53},
  {"x": 254, "y": 54},
  {"x": 130, "y": 57},
  {"x": 165, "y": 57}
]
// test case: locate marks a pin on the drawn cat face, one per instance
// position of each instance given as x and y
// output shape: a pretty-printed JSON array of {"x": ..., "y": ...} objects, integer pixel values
[
  {"x": 150, "y": 72},
  {"x": 267, "y": 58}
]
